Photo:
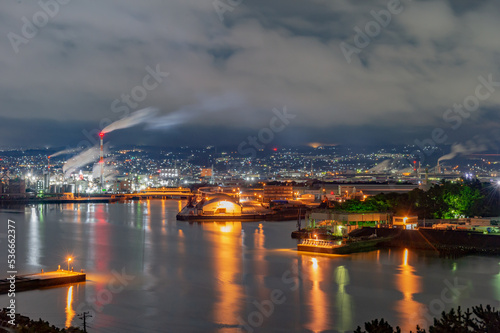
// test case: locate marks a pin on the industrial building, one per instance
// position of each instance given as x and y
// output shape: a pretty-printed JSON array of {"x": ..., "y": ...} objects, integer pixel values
[
  {"x": 341, "y": 223},
  {"x": 277, "y": 192}
]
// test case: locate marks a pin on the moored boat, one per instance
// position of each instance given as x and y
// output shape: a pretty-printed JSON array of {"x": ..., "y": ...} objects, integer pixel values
[
  {"x": 318, "y": 245},
  {"x": 340, "y": 247}
]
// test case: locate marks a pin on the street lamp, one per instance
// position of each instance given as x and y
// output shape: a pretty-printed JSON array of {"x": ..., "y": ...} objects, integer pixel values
[{"x": 69, "y": 259}]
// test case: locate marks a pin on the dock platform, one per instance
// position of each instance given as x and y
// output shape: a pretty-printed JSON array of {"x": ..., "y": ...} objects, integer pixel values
[{"x": 42, "y": 280}]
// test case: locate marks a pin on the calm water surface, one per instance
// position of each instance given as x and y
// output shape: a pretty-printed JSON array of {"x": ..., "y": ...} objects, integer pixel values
[{"x": 149, "y": 273}]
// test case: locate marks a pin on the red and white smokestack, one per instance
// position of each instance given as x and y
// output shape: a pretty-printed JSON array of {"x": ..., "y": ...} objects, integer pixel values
[
  {"x": 101, "y": 160},
  {"x": 48, "y": 174}
]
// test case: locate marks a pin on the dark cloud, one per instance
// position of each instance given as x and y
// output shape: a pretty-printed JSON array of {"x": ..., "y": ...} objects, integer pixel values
[{"x": 274, "y": 54}]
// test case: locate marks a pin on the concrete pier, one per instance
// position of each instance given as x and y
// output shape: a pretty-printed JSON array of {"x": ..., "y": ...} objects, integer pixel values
[{"x": 41, "y": 280}]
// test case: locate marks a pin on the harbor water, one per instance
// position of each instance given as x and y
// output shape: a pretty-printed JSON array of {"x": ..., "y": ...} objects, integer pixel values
[{"x": 147, "y": 272}]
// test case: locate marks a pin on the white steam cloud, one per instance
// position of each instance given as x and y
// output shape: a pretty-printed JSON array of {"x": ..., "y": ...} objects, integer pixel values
[
  {"x": 469, "y": 147},
  {"x": 383, "y": 166},
  {"x": 189, "y": 112},
  {"x": 65, "y": 151},
  {"x": 180, "y": 116},
  {"x": 85, "y": 157},
  {"x": 135, "y": 118}
]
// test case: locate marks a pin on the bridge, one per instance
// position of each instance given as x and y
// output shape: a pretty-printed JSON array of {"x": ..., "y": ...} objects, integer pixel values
[{"x": 159, "y": 193}]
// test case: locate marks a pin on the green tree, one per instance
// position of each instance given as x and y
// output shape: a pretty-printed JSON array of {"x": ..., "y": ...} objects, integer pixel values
[{"x": 462, "y": 200}]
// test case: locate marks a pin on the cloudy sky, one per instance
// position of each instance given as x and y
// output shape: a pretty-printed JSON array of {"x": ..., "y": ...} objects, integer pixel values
[{"x": 363, "y": 72}]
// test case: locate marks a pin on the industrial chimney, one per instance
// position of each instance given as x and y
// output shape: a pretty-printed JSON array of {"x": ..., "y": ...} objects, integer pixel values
[{"x": 101, "y": 160}]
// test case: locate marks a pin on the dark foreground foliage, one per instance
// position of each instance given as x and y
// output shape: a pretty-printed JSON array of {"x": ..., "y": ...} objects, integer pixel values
[
  {"x": 26, "y": 325},
  {"x": 480, "y": 320}
]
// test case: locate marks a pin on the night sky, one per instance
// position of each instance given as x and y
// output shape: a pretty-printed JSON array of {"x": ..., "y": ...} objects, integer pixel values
[{"x": 230, "y": 63}]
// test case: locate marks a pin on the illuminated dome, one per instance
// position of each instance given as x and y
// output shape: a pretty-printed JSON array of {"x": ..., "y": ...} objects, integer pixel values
[{"x": 220, "y": 203}]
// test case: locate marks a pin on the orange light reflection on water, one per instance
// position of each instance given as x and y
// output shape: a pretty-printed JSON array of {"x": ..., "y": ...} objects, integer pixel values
[
  {"x": 259, "y": 238},
  {"x": 163, "y": 211},
  {"x": 70, "y": 313},
  {"x": 226, "y": 228},
  {"x": 315, "y": 263},
  {"x": 163, "y": 217},
  {"x": 227, "y": 266},
  {"x": 147, "y": 215},
  {"x": 318, "y": 299},
  {"x": 409, "y": 284},
  {"x": 259, "y": 264}
]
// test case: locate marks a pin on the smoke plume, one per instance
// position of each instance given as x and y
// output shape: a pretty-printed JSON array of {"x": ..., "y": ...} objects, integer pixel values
[
  {"x": 180, "y": 116},
  {"x": 65, "y": 151},
  {"x": 135, "y": 118},
  {"x": 189, "y": 112},
  {"x": 85, "y": 157},
  {"x": 469, "y": 147},
  {"x": 383, "y": 166}
]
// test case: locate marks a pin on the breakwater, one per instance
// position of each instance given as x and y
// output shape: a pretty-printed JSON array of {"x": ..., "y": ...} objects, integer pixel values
[
  {"x": 289, "y": 214},
  {"x": 40, "y": 280}
]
